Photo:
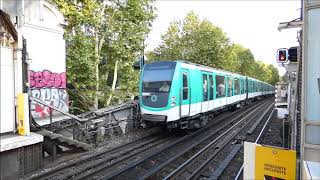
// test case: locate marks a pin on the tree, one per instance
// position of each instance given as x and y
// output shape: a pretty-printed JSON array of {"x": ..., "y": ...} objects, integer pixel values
[
  {"x": 274, "y": 75},
  {"x": 245, "y": 60},
  {"x": 196, "y": 41},
  {"x": 103, "y": 40},
  {"x": 201, "y": 42}
]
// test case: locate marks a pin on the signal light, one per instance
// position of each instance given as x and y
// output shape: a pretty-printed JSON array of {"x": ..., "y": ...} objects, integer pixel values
[
  {"x": 293, "y": 54},
  {"x": 282, "y": 55}
]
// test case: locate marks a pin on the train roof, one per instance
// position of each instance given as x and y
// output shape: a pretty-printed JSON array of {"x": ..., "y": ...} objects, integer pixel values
[
  {"x": 207, "y": 68},
  {"x": 220, "y": 70}
]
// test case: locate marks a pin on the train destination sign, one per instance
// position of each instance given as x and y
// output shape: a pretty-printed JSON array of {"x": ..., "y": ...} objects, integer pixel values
[{"x": 266, "y": 162}]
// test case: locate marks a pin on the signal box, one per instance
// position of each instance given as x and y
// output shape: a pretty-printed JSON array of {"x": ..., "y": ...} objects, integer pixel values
[{"x": 293, "y": 54}]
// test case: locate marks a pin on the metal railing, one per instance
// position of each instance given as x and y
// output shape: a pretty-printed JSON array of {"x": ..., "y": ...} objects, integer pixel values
[{"x": 51, "y": 108}]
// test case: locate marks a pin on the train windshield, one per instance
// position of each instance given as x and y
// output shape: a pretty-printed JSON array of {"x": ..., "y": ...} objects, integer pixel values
[{"x": 156, "y": 83}]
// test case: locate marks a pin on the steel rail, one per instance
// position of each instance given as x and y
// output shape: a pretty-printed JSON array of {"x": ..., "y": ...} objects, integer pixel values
[
  {"x": 257, "y": 140},
  {"x": 229, "y": 137},
  {"x": 219, "y": 170},
  {"x": 102, "y": 165},
  {"x": 164, "y": 164},
  {"x": 200, "y": 168},
  {"x": 88, "y": 157},
  {"x": 134, "y": 164}
]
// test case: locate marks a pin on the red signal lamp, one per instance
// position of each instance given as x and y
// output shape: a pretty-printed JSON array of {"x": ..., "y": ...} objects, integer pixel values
[{"x": 282, "y": 55}]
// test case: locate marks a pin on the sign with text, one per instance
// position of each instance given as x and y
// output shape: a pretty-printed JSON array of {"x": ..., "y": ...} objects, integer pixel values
[
  {"x": 274, "y": 163},
  {"x": 269, "y": 163}
]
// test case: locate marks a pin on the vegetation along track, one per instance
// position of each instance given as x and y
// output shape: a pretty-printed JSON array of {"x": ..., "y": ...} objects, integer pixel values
[{"x": 167, "y": 160}]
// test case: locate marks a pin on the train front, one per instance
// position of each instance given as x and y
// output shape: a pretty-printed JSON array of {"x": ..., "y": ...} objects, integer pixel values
[{"x": 159, "y": 93}]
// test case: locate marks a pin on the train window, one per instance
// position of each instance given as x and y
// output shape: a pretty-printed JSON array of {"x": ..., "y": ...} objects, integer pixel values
[
  {"x": 211, "y": 87},
  {"x": 205, "y": 87},
  {"x": 236, "y": 86},
  {"x": 185, "y": 86},
  {"x": 230, "y": 79},
  {"x": 220, "y": 86}
]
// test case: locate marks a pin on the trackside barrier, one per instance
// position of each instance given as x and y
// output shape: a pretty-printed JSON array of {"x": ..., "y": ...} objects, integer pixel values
[{"x": 95, "y": 126}]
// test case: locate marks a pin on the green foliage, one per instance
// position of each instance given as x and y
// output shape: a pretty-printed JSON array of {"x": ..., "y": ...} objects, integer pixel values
[
  {"x": 201, "y": 42},
  {"x": 196, "y": 41},
  {"x": 99, "y": 34}
]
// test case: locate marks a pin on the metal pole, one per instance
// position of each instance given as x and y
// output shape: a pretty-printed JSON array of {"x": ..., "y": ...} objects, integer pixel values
[{"x": 50, "y": 110}]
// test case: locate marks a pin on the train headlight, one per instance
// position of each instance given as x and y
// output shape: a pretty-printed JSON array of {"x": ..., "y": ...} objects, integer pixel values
[
  {"x": 173, "y": 104},
  {"x": 173, "y": 98}
]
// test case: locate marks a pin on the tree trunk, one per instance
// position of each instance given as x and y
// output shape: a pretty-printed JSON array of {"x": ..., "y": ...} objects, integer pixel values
[
  {"x": 96, "y": 60},
  {"x": 114, "y": 82},
  {"x": 97, "y": 49}
]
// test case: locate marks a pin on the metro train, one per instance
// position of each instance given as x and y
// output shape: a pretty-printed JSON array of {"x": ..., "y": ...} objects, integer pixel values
[{"x": 179, "y": 94}]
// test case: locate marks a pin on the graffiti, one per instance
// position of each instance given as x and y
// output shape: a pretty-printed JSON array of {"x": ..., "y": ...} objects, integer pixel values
[
  {"x": 50, "y": 88},
  {"x": 54, "y": 97},
  {"x": 47, "y": 79}
]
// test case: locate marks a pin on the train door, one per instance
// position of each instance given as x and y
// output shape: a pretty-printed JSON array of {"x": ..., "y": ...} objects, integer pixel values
[
  {"x": 205, "y": 93},
  {"x": 244, "y": 90},
  {"x": 229, "y": 89},
  {"x": 247, "y": 89},
  {"x": 211, "y": 92},
  {"x": 236, "y": 89},
  {"x": 185, "y": 94},
  {"x": 241, "y": 89}
]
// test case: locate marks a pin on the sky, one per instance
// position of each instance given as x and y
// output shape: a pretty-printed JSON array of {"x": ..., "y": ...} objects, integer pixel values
[{"x": 253, "y": 23}]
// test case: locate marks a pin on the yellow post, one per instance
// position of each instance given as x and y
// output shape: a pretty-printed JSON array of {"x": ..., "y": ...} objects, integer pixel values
[{"x": 21, "y": 114}]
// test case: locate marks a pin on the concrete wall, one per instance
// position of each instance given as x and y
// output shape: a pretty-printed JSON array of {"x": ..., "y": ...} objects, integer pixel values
[
  {"x": 41, "y": 24},
  {"x": 7, "y": 106},
  {"x": 17, "y": 162}
]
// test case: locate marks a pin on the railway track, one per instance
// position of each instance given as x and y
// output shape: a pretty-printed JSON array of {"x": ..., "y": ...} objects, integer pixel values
[
  {"x": 255, "y": 139},
  {"x": 109, "y": 158},
  {"x": 224, "y": 163},
  {"x": 166, "y": 162},
  {"x": 148, "y": 157},
  {"x": 195, "y": 166}
]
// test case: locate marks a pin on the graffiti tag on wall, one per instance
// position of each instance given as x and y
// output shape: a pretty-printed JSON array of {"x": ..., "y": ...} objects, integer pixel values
[
  {"x": 50, "y": 88},
  {"x": 47, "y": 79},
  {"x": 54, "y": 97}
]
